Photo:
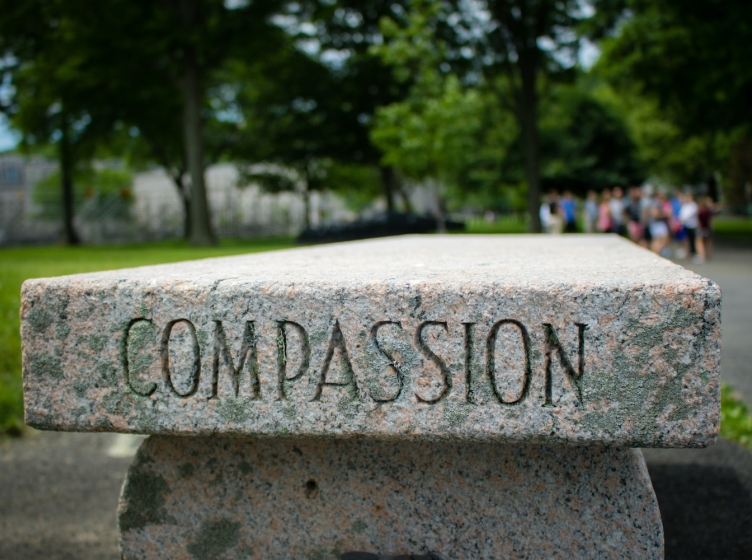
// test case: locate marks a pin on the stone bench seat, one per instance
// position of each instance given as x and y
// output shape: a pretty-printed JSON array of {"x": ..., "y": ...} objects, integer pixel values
[{"x": 443, "y": 358}]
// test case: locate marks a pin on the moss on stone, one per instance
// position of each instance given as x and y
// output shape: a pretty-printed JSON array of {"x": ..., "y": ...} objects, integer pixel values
[
  {"x": 97, "y": 342},
  {"x": 455, "y": 415},
  {"x": 79, "y": 387},
  {"x": 144, "y": 498},
  {"x": 117, "y": 403},
  {"x": 646, "y": 396},
  {"x": 39, "y": 319},
  {"x": 40, "y": 421},
  {"x": 62, "y": 331},
  {"x": 214, "y": 538},
  {"x": 348, "y": 406},
  {"x": 107, "y": 373},
  {"x": 202, "y": 336},
  {"x": 235, "y": 409},
  {"x": 46, "y": 365}
]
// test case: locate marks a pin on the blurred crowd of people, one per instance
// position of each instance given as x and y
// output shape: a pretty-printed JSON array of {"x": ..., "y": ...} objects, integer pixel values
[{"x": 670, "y": 224}]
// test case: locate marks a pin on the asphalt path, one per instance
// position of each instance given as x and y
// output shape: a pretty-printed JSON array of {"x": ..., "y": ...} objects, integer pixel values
[{"x": 59, "y": 491}]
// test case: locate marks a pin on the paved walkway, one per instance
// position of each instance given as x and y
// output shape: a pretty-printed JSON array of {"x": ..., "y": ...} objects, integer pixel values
[{"x": 59, "y": 491}]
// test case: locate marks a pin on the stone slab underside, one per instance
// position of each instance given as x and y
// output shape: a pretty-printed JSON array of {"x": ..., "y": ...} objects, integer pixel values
[
  {"x": 580, "y": 339},
  {"x": 206, "y": 498}
]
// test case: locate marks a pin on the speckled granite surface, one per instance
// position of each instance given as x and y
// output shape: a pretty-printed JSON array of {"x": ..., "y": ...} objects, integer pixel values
[
  {"x": 207, "y": 498},
  {"x": 573, "y": 339}
]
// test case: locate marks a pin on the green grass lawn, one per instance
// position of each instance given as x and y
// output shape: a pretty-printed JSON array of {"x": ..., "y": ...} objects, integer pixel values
[
  {"x": 19, "y": 264},
  {"x": 736, "y": 420},
  {"x": 505, "y": 224},
  {"x": 737, "y": 230}
]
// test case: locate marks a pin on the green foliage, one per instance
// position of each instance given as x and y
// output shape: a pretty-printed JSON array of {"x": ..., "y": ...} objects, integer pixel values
[
  {"x": 17, "y": 265},
  {"x": 358, "y": 184},
  {"x": 688, "y": 62},
  {"x": 736, "y": 420},
  {"x": 585, "y": 143},
  {"x": 692, "y": 55},
  {"x": 101, "y": 188},
  {"x": 431, "y": 137},
  {"x": 433, "y": 134}
]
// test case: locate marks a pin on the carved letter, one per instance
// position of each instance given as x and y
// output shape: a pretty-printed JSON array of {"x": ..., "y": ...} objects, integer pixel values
[
  {"x": 393, "y": 365},
  {"x": 337, "y": 341},
  {"x": 491, "y": 359},
  {"x": 195, "y": 366},
  {"x": 553, "y": 344},
  {"x": 469, "y": 333},
  {"x": 282, "y": 378},
  {"x": 421, "y": 344},
  {"x": 248, "y": 358},
  {"x": 135, "y": 345}
]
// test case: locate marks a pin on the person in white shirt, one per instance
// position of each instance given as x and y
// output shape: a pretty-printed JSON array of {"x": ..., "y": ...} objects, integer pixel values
[
  {"x": 545, "y": 214},
  {"x": 688, "y": 217},
  {"x": 616, "y": 204}
]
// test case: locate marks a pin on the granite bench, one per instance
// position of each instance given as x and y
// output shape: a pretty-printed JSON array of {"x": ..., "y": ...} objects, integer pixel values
[{"x": 469, "y": 397}]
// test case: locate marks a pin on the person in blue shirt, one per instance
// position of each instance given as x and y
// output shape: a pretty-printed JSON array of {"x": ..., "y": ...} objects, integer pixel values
[{"x": 569, "y": 210}]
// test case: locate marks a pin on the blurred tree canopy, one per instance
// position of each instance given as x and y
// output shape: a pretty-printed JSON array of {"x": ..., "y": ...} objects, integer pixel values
[
  {"x": 598, "y": 152},
  {"x": 432, "y": 133},
  {"x": 690, "y": 60},
  {"x": 487, "y": 101}
]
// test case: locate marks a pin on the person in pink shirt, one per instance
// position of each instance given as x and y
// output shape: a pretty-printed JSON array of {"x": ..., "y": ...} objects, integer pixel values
[{"x": 605, "y": 223}]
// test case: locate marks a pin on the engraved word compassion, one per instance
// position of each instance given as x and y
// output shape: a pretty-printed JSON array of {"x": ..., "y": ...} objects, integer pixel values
[{"x": 246, "y": 362}]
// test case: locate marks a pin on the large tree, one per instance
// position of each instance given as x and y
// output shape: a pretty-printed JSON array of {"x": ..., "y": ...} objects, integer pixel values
[
  {"x": 82, "y": 67},
  {"x": 344, "y": 32},
  {"x": 188, "y": 42},
  {"x": 431, "y": 135},
  {"x": 59, "y": 97},
  {"x": 289, "y": 113},
  {"x": 523, "y": 42}
]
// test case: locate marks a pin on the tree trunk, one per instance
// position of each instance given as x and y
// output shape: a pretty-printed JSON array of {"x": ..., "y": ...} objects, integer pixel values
[
  {"x": 736, "y": 191},
  {"x": 403, "y": 195},
  {"x": 306, "y": 193},
  {"x": 527, "y": 114},
  {"x": 200, "y": 229},
  {"x": 306, "y": 206},
  {"x": 388, "y": 178},
  {"x": 70, "y": 236},
  {"x": 185, "y": 198}
]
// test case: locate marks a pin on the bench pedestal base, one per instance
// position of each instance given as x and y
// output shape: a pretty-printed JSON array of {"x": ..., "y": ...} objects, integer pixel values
[{"x": 212, "y": 498}]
